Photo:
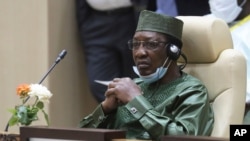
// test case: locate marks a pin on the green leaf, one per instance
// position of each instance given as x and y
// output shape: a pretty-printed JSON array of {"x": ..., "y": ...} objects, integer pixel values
[
  {"x": 32, "y": 113},
  {"x": 23, "y": 117},
  {"x": 46, "y": 117},
  {"x": 21, "y": 111},
  {"x": 13, "y": 111},
  {"x": 13, "y": 120},
  {"x": 27, "y": 114},
  {"x": 40, "y": 105}
]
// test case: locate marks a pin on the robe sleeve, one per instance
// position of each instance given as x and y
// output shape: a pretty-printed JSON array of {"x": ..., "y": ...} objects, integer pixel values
[{"x": 190, "y": 115}]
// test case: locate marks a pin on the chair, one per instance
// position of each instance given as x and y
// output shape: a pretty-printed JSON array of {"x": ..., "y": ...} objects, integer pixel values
[{"x": 209, "y": 49}]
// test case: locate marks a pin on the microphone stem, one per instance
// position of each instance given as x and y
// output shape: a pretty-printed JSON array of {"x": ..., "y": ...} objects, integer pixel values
[
  {"x": 51, "y": 68},
  {"x": 6, "y": 127}
]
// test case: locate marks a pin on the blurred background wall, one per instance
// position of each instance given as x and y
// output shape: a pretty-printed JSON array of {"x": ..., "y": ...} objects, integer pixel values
[{"x": 32, "y": 34}]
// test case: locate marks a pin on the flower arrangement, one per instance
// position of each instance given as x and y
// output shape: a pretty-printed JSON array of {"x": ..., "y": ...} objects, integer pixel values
[{"x": 26, "y": 112}]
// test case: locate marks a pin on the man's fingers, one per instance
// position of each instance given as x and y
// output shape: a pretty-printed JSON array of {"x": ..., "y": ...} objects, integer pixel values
[
  {"x": 109, "y": 92},
  {"x": 116, "y": 79}
]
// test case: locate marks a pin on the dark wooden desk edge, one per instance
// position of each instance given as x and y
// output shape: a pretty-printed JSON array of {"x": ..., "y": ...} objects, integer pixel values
[{"x": 91, "y": 134}]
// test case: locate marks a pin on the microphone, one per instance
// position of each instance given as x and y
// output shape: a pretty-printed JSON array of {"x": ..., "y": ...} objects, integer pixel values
[
  {"x": 58, "y": 59},
  {"x": 61, "y": 56}
]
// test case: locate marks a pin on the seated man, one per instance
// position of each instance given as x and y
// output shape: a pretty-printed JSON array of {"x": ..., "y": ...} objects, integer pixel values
[{"x": 164, "y": 100}]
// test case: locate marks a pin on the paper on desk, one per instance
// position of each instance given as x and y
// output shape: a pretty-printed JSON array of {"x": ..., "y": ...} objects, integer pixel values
[{"x": 106, "y": 83}]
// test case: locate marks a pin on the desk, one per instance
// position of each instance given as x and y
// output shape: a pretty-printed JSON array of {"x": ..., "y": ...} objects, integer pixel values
[
  {"x": 181, "y": 138},
  {"x": 128, "y": 140},
  {"x": 192, "y": 138},
  {"x": 88, "y": 134},
  {"x": 72, "y": 134}
]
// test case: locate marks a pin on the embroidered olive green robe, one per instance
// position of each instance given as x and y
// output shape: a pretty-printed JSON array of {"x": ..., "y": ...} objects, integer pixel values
[{"x": 176, "y": 108}]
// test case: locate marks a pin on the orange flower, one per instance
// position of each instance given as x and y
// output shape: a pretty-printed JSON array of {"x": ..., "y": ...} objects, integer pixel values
[{"x": 22, "y": 90}]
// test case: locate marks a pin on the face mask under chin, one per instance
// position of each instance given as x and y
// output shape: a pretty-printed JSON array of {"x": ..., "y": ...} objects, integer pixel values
[{"x": 157, "y": 75}]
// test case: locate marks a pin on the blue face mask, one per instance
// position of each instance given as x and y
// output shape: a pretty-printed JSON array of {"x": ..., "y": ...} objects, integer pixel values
[{"x": 157, "y": 75}]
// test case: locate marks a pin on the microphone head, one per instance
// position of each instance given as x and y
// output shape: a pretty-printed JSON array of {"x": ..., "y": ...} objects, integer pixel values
[{"x": 61, "y": 56}]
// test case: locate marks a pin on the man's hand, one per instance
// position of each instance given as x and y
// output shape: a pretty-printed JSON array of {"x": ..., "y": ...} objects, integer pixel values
[
  {"x": 120, "y": 91},
  {"x": 109, "y": 104},
  {"x": 124, "y": 89}
]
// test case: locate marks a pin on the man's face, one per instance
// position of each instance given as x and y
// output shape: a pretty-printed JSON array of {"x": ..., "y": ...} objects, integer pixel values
[{"x": 149, "y": 51}]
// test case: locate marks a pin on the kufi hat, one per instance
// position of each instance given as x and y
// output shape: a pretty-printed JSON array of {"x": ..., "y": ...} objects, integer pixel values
[{"x": 151, "y": 21}]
